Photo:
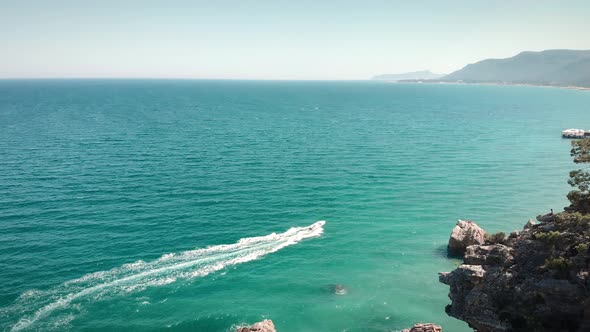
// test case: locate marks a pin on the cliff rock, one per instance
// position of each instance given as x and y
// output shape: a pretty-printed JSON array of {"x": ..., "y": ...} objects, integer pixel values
[
  {"x": 464, "y": 234},
  {"x": 264, "y": 326},
  {"x": 424, "y": 327},
  {"x": 534, "y": 280}
]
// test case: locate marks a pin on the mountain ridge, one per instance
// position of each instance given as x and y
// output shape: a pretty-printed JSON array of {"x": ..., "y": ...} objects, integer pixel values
[{"x": 559, "y": 67}]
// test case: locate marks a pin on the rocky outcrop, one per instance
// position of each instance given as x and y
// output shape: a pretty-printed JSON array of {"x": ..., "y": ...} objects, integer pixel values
[
  {"x": 340, "y": 290},
  {"x": 533, "y": 280},
  {"x": 264, "y": 326},
  {"x": 464, "y": 234},
  {"x": 549, "y": 217},
  {"x": 424, "y": 327}
]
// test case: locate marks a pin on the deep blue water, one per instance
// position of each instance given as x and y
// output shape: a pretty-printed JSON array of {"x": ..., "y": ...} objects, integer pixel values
[{"x": 101, "y": 180}]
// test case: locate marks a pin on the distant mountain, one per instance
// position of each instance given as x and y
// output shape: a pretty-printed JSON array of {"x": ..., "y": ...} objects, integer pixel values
[
  {"x": 416, "y": 75},
  {"x": 550, "y": 67}
]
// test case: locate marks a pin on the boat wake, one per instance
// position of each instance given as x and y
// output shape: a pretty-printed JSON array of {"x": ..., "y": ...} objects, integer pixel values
[{"x": 34, "y": 306}]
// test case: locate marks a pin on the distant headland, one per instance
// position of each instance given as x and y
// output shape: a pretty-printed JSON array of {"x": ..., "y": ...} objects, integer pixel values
[
  {"x": 555, "y": 68},
  {"x": 415, "y": 75}
]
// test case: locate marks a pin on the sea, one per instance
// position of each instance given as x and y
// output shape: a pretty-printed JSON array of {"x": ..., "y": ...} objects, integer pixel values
[{"x": 203, "y": 205}]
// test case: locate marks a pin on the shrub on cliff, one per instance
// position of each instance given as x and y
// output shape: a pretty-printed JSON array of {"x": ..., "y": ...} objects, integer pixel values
[
  {"x": 548, "y": 237},
  {"x": 582, "y": 247},
  {"x": 572, "y": 221},
  {"x": 559, "y": 263},
  {"x": 499, "y": 237}
]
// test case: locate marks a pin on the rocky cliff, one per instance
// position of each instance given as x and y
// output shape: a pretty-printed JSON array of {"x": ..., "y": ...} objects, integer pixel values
[
  {"x": 533, "y": 280},
  {"x": 265, "y": 326},
  {"x": 464, "y": 234},
  {"x": 424, "y": 327}
]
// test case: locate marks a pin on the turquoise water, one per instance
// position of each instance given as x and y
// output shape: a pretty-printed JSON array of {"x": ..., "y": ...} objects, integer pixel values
[{"x": 108, "y": 187}]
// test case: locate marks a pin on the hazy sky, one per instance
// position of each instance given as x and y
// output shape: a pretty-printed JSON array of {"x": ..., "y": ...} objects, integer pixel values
[{"x": 294, "y": 39}]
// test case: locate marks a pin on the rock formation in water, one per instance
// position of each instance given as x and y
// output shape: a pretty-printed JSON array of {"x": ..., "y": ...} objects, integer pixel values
[
  {"x": 340, "y": 289},
  {"x": 464, "y": 234},
  {"x": 334, "y": 289},
  {"x": 424, "y": 327},
  {"x": 534, "y": 280},
  {"x": 264, "y": 326}
]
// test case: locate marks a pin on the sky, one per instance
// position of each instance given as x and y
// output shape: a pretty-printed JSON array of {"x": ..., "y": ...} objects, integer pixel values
[{"x": 264, "y": 39}]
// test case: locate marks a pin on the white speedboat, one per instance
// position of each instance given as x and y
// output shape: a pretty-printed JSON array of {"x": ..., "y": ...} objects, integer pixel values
[{"x": 573, "y": 133}]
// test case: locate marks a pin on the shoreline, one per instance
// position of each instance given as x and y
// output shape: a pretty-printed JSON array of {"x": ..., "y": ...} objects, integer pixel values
[{"x": 569, "y": 87}]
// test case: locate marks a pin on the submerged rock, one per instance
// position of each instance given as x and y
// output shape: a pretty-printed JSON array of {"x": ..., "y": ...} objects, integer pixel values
[
  {"x": 340, "y": 290},
  {"x": 264, "y": 326},
  {"x": 336, "y": 289},
  {"x": 464, "y": 234},
  {"x": 424, "y": 327}
]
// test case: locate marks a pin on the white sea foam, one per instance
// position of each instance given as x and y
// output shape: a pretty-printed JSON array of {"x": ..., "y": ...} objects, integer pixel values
[{"x": 165, "y": 270}]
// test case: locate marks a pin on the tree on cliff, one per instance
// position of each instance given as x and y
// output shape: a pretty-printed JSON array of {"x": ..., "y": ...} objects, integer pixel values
[{"x": 580, "y": 179}]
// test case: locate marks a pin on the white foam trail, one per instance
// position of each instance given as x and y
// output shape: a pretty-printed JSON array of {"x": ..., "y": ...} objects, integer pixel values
[{"x": 165, "y": 270}]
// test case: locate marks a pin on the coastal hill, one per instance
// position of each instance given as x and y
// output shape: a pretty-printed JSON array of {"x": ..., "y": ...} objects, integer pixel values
[
  {"x": 415, "y": 75},
  {"x": 550, "y": 67}
]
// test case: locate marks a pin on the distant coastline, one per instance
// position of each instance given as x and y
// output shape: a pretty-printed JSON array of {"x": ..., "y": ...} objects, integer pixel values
[
  {"x": 570, "y": 87},
  {"x": 569, "y": 69},
  {"x": 416, "y": 75}
]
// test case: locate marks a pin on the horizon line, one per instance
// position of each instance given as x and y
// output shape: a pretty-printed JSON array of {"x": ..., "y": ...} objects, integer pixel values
[{"x": 181, "y": 78}]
